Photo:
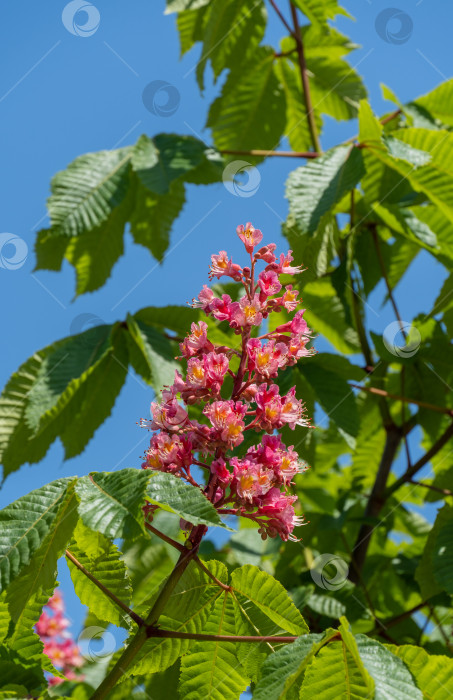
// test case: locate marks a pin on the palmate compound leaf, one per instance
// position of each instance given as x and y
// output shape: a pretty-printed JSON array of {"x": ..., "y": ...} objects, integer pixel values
[
  {"x": 187, "y": 610},
  {"x": 211, "y": 670},
  {"x": 94, "y": 198},
  {"x": 111, "y": 502},
  {"x": 187, "y": 501},
  {"x": 102, "y": 559},
  {"x": 433, "y": 674},
  {"x": 25, "y": 524},
  {"x": 313, "y": 189}
]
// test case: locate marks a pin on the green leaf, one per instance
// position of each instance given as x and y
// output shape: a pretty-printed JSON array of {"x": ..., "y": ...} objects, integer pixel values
[
  {"x": 320, "y": 13},
  {"x": 24, "y": 640},
  {"x": 62, "y": 373},
  {"x": 180, "y": 5},
  {"x": 25, "y": 524},
  {"x": 442, "y": 557},
  {"x": 176, "y": 496},
  {"x": 333, "y": 392},
  {"x": 315, "y": 188},
  {"x": 41, "y": 573},
  {"x": 297, "y": 130},
  {"x": 94, "y": 252},
  {"x": 251, "y": 107},
  {"x": 5, "y": 618},
  {"x": 439, "y": 102},
  {"x": 211, "y": 669},
  {"x": 336, "y": 89},
  {"x": 391, "y": 676},
  {"x": 246, "y": 25},
  {"x": 282, "y": 672},
  {"x": 250, "y": 620},
  {"x": 163, "y": 159},
  {"x": 96, "y": 403},
  {"x": 190, "y": 25},
  {"x": 269, "y": 596},
  {"x": 102, "y": 559},
  {"x": 154, "y": 215},
  {"x": 325, "y": 313},
  {"x": 85, "y": 194},
  {"x": 424, "y": 574},
  {"x": 151, "y": 354},
  {"x": 405, "y": 222},
  {"x": 433, "y": 674},
  {"x": 332, "y": 674},
  {"x": 111, "y": 502}
]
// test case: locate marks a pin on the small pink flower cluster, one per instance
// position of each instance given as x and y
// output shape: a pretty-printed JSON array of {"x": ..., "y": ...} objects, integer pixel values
[
  {"x": 58, "y": 643},
  {"x": 255, "y": 485}
]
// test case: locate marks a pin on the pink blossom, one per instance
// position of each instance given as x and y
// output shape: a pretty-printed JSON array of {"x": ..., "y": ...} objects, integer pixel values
[
  {"x": 205, "y": 297},
  {"x": 247, "y": 312},
  {"x": 197, "y": 340},
  {"x": 168, "y": 452},
  {"x": 266, "y": 253},
  {"x": 216, "y": 365},
  {"x": 221, "y": 308},
  {"x": 168, "y": 414},
  {"x": 285, "y": 267},
  {"x": 289, "y": 298},
  {"x": 221, "y": 265},
  {"x": 292, "y": 410},
  {"x": 269, "y": 283},
  {"x": 250, "y": 236},
  {"x": 219, "y": 468},
  {"x": 266, "y": 359}
]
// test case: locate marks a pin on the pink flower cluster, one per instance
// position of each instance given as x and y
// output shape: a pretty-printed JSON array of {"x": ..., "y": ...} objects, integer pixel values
[
  {"x": 255, "y": 485},
  {"x": 58, "y": 643}
]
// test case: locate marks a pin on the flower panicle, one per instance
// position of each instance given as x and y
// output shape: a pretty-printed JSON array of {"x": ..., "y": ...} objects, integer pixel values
[{"x": 257, "y": 484}]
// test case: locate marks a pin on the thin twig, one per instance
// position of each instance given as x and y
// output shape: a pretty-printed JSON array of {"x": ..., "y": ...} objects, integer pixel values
[
  {"x": 204, "y": 568},
  {"x": 399, "y": 618},
  {"x": 266, "y": 154},
  {"x": 280, "y": 14},
  {"x": 409, "y": 473},
  {"x": 177, "y": 545},
  {"x": 305, "y": 81},
  {"x": 388, "y": 395},
  {"x": 136, "y": 618},
  {"x": 444, "y": 492}
]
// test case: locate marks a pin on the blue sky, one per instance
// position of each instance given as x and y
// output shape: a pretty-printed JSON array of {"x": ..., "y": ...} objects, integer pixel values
[{"x": 62, "y": 95}]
